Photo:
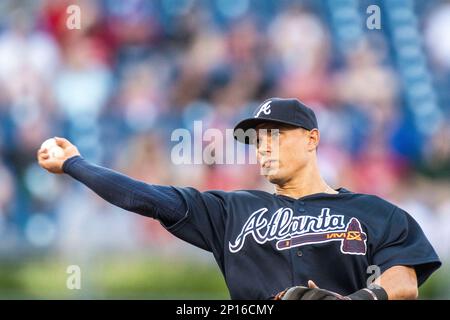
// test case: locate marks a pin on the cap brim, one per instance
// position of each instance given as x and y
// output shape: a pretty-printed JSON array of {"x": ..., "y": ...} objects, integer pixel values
[{"x": 252, "y": 123}]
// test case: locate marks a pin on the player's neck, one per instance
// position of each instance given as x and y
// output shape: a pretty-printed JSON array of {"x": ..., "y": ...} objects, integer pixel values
[{"x": 308, "y": 181}]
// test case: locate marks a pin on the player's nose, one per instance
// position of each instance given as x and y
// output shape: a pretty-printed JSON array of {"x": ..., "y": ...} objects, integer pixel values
[
  {"x": 264, "y": 144},
  {"x": 264, "y": 151}
]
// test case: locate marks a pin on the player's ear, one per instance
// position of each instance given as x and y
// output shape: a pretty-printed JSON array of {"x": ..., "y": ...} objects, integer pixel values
[{"x": 313, "y": 139}]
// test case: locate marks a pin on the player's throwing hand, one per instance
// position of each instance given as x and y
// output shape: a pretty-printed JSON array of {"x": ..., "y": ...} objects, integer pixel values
[{"x": 54, "y": 164}]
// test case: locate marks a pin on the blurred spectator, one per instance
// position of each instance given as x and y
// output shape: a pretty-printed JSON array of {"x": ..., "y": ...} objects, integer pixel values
[
  {"x": 437, "y": 37},
  {"x": 301, "y": 43}
]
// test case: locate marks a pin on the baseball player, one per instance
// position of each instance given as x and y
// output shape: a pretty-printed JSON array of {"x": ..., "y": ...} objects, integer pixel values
[{"x": 305, "y": 241}]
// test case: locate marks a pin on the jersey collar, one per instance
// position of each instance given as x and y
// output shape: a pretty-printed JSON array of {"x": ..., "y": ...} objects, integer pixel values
[{"x": 317, "y": 195}]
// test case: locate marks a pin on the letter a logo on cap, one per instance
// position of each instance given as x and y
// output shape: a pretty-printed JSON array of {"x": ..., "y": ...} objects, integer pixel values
[{"x": 264, "y": 108}]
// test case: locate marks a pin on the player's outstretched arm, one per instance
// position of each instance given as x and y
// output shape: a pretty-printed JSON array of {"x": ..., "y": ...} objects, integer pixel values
[{"x": 159, "y": 202}]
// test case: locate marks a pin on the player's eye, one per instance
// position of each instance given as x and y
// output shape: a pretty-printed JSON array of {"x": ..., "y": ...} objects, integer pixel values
[{"x": 275, "y": 133}]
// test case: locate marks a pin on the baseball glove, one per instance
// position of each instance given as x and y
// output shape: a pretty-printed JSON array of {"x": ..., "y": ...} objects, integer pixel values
[{"x": 304, "y": 293}]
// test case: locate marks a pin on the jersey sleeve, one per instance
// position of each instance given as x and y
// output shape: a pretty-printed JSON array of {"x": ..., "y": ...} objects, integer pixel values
[
  {"x": 404, "y": 243},
  {"x": 203, "y": 224},
  {"x": 158, "y": 202}
]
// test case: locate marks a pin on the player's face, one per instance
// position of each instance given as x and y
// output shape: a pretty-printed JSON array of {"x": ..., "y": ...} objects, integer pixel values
[{"x": 283, "y": 151}]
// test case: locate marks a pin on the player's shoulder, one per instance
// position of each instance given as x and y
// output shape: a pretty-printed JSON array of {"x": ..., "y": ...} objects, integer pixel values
[
  {"x": 225, "y": 196},
  {"x": 366, "y": 197},
  {"x": 241, "y": 198},
  {"x": 243, "y": 194},
  {"x": 370, "y": 202}
]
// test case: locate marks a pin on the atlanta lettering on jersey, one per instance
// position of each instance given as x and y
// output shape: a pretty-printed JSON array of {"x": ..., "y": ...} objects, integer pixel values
[{"x": 300, "y": 230}]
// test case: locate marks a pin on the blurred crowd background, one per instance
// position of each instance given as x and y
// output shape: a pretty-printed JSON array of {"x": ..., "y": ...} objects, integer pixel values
[{"x": 138, "y": 69}]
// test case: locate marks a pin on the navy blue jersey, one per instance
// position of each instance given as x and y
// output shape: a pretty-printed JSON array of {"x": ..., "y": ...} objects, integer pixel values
[{"x": 264, "y": 243}]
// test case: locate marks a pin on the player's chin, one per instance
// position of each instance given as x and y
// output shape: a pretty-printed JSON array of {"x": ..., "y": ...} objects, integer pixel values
[{"x": 272, "y": 175}]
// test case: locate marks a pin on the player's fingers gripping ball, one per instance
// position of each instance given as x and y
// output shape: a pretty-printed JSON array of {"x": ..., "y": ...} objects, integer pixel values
[{"x": 53, "y": 149}]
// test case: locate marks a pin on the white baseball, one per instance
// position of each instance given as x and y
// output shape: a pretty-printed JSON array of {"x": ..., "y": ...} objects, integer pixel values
[{"x": 54, "y": 150}]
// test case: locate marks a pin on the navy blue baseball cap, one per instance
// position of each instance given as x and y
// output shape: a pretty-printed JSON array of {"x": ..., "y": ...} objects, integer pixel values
[{"x": 277, "y": 110}]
